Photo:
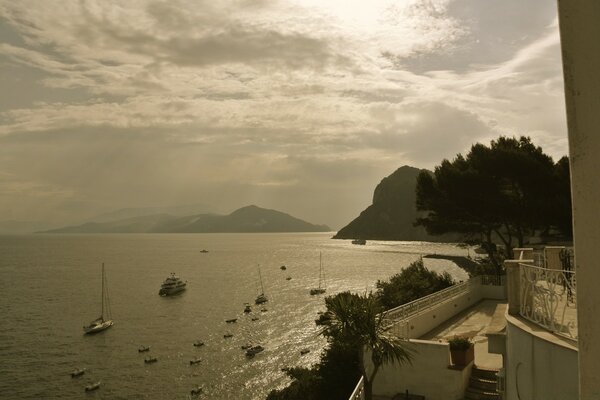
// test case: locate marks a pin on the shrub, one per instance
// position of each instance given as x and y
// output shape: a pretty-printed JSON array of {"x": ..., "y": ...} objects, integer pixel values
[{"x": 460, "y": 343}]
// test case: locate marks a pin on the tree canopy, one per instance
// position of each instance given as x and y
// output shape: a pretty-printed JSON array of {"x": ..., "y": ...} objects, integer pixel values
[
  {"x": 412, "y": 283},
  {"x": 509, "y": 190}
]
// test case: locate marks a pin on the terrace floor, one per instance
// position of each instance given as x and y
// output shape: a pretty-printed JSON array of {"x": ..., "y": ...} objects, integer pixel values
[{"x": 484, "y": 317}]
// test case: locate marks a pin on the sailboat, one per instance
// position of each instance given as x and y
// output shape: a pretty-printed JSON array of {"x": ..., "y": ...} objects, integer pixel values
[
  {"x": 320, "y": 289},
  {"x": 261, "y": 298},
  {"x": 103, "y": 321}
]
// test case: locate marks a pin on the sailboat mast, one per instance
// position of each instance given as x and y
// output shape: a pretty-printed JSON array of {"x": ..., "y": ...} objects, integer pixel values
[
  {"x": 262, "y": 289},
  {"x": 320, "y": 269},
  {"x": 102, "y": 314}
]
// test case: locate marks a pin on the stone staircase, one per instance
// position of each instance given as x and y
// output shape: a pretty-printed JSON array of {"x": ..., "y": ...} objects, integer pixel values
[{"x": 482, "y": 385}]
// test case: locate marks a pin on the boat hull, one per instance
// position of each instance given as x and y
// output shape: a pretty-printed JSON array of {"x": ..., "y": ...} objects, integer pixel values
[
  {"x": 171, "y": 292},
  {"x": 98, "y": 327}
]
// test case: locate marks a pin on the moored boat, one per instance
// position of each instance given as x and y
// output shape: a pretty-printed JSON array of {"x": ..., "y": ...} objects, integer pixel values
[
  {"x": 227, "y": 335},
  {"x": 150, "y": 360},
  {"x": 254, "y": 350},
  {"x": 172, "y": 285},
  {"x": 143, "y": 349},
  {"x": 104, "y": 321},
  {"x": 93, "y": 386},
  {"x": 247, "y": 308},
  {"x": 77, "y": 372},
  {"x": 304, "y": 351},
  {"x": 359, "y": 241},
  {"x": 196, "y": 391},
  {"x": 195, "y": 361},
  {"x": 321, "y": 289},
  {"x": 231, "y": 321},
  {"x": 198, "y": 343},
  {"x": 261, "y": 298}
]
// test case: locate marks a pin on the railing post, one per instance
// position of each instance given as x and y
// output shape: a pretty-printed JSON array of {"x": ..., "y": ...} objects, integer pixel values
[{"x": 513, "y": 285}]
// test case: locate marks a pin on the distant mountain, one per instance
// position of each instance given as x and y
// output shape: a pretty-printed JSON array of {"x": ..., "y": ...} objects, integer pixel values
[
  {"x": 143, "y": 224},
  {"x": 393, "y": 212},
  {"x": 23, "y": 227},
  {"x": 177, "y": 211},
  {"x": 245, "y": 220}
]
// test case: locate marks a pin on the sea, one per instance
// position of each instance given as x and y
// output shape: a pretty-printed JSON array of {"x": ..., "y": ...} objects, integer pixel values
[{"x": 51, "y": 288}]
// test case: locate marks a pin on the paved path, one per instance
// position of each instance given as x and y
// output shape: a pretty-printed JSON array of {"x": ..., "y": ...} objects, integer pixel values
[{"x": 485, "y": 316}]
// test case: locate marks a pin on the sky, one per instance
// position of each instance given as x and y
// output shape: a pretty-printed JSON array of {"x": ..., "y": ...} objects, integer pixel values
[{"x": 301, "y": 106}]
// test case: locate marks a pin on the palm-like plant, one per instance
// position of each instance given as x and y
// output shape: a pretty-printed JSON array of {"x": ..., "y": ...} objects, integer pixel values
[{"x": 359, "y": 322}]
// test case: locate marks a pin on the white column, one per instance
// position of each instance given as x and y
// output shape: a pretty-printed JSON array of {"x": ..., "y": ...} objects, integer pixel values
[{"x": 580, "y": 38}]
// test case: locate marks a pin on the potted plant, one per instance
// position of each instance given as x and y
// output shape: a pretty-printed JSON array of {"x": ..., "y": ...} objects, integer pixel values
[{"x": 462, "y": 350}]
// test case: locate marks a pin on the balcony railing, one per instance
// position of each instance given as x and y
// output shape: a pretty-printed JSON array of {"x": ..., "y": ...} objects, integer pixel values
[
  {"x": 407, "y": 310},
  {"x": 359, "y": 391},
  {"x": 549, "y": 299}
]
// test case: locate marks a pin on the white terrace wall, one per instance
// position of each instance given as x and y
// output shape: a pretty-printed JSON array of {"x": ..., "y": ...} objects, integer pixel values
[
  {"x": 539, "y": 365},
  {"x": 418, "y": 325},
  {"x": 429, "y": 375}
]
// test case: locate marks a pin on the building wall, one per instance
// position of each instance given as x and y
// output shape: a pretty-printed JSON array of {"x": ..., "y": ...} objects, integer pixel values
[
  {"x": 579, "y": 33},
  {"x": 538, "y": 366},
  {"x": 429, "y": 375}
]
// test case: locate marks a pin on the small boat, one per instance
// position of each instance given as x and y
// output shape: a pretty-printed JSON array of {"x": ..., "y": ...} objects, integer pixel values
[
  {"x": 247, "y": 308},
  {"x": 150, "y": 360},
  {"x": 289, "y": 278},
  {"x": 196, "y": 391},
  {"x": 195, "y": 361},
  {"x": 103, "y": 321},
  {"x": 246, "y": 346},
  {"x": 263, "y": 310},
  {"x": 304, "y": 351},
  {"x": 255, "y": 318},
  {"x": 361, "y": 242},
  {"x": 77, "y": 372},
  {"x": 319, "y": 290},
  {"x": 252, "y": 351},
  {"x": 198, "y": 343},
  {"x": 143, "y": 349},
  {"x": 92, "y": 386},
  {"x": 283, "y": 268},
  {"x": 203, "y": 251},
  {"x": 227, "y": 335},
  {"x": 261, "y": 298},
  {"x": 231, "y": 321},
  {"x": 172, "y": 285}
]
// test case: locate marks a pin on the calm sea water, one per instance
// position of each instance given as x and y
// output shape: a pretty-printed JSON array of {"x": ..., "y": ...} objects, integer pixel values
[{"x": 50, "y": 287}]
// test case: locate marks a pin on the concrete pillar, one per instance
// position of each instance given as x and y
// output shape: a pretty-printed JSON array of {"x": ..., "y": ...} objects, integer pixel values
[
  {"x": 513, "y": 284},
  {"x": 579, "y": 32}
]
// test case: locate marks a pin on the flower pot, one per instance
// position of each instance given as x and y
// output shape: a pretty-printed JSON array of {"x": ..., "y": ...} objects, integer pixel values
[{"x": 463, "y": 357}]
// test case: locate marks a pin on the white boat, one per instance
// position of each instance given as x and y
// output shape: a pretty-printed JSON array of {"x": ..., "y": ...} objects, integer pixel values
[
  {"x": 320, "y": 289},
  {"x": 359, "y": 241},
  {"x": 261, "y": 298},
  {"x": 150, "y": 360},
  {"x": 77, "y": 372},
  {"x": 172, "y": 285},
  {"x": 92, "y": 386},
  {"x": 103, "y": 321},
  {"x": 143, "y": 349}
]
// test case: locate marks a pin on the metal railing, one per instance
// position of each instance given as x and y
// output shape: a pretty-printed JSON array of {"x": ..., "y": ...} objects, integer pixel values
[
  {"x": 359, "y": 391},
  {"x": 407, "y": 310},
  {"x": 549, "y": 299}
]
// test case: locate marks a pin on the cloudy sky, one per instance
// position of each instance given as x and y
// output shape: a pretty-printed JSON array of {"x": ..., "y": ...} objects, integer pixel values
[{"x": 297, "y": 105}]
